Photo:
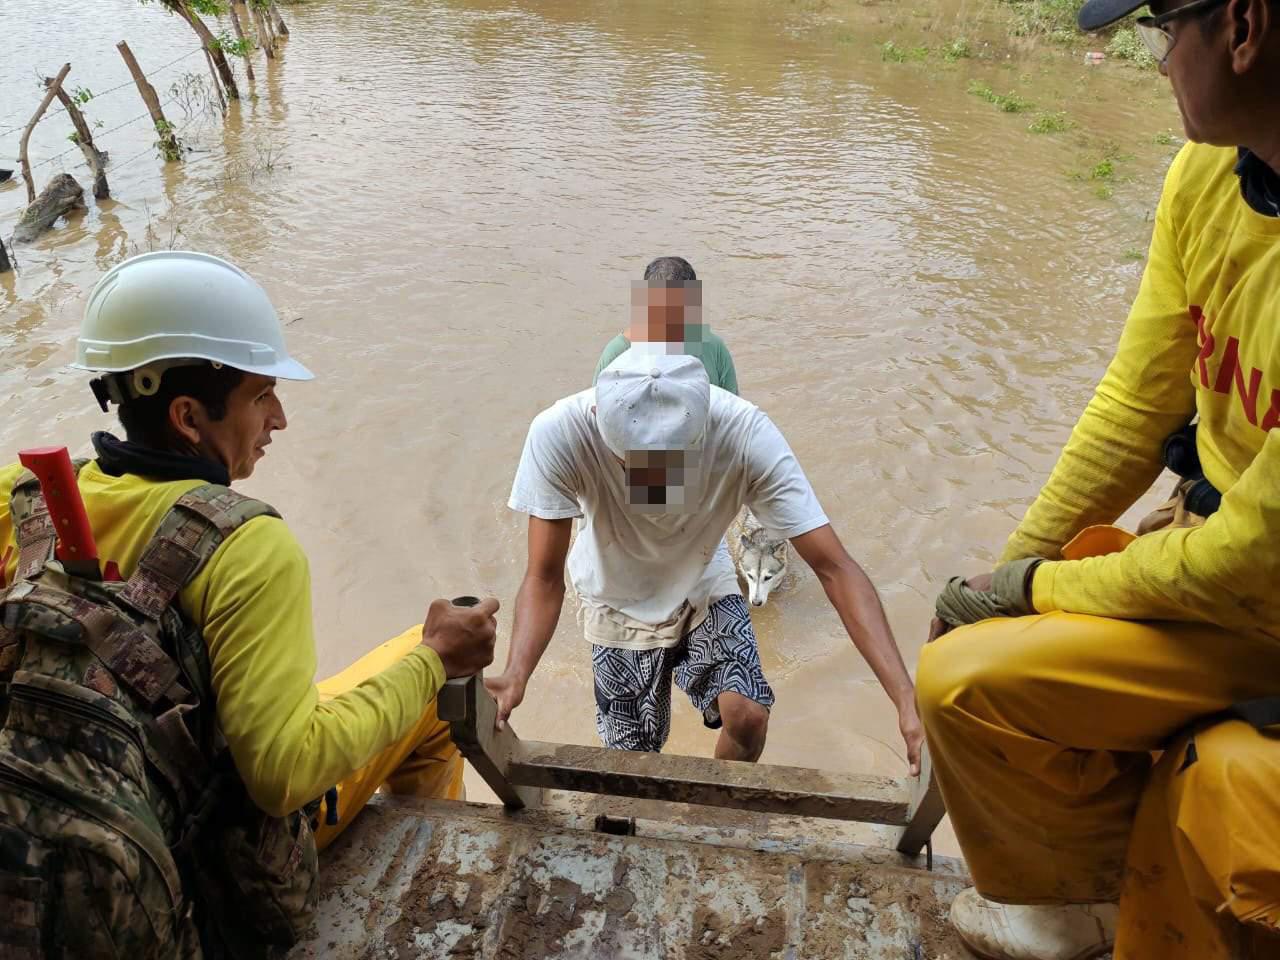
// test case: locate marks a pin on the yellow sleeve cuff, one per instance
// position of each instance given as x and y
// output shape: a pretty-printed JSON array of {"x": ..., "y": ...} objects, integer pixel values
[
  {"x": 434, "y": 664},
  {"x": 1042, "y": 586}
]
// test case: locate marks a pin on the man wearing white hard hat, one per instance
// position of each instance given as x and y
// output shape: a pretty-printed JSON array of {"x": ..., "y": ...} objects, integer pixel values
[
  {"x": 656, "y": 463},
  {"x": 190, "y": 644}
]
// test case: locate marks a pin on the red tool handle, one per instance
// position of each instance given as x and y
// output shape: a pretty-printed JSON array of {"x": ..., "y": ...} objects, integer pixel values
[{"x": 52, "y": 467}]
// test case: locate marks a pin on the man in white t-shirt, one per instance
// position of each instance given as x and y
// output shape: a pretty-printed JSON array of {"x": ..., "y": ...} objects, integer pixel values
[{"x": 657, "y": 463}]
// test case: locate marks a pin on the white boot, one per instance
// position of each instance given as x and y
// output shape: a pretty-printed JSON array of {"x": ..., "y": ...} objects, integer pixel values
[{"x": 1000, "y": 931}]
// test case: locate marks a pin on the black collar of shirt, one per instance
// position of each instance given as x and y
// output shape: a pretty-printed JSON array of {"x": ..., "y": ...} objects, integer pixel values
[
  {"x": 118, "y": 457},
  {"x": 1259, "y": 184}
]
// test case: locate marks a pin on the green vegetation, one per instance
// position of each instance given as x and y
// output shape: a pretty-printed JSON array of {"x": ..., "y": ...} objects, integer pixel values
[
  {"x": 1104, "y": 169},
  {"x": 1055, "y": 21},
  {"x": 1127, "y": 45},
  {"x": 1008, "y": 102},
  {"x": 893, "y": 53},
  {"x": 241, "y": 47},
  {"x": 206, "y": 8},
  {"x": 957, "y": 49},
  {"x": 167, "y": 143},
  {"x": 1050, "y": 123},
  {"x": 1133, "y": 253},
  {"x": 1051, "y": 19},
  {"x": 1103, "y": 172},
  {"x": 1164, "y": 138}
]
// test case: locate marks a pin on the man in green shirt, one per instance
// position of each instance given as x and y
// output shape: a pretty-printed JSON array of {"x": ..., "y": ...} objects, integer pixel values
[{"x": 666, "y": 307}]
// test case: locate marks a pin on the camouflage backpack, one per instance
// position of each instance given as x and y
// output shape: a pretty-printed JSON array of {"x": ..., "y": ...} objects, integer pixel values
[{"x": 124, "y": 828}]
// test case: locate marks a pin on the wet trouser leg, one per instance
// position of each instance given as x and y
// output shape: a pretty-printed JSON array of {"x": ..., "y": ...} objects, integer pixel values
[
  {"x": 1205, "y": 850},
  {"x": 1041, "y": 731},
  {"x": 424, "y": 762}
]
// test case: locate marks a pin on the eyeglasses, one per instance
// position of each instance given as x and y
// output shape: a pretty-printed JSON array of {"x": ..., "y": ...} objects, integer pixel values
[{"x": 1159, "y": 40}]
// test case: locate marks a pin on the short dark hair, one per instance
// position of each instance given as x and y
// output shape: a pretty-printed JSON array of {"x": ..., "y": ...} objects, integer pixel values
[
  {"x": 146, "y": 419},
  {"x": 670, "y": 269}
]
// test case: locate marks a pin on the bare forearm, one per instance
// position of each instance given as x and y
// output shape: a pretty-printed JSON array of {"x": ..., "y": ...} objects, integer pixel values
[
  {"x": 855, "y": 599},
  {"x": 537, "y": 611}
]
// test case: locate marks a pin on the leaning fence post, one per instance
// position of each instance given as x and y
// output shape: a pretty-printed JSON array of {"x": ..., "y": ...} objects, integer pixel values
[
  {"x": 265, "y": 40},
  {"x": 282, "y": 28},
  {"x": 84, "y": 140},
  {"x": 236, "y": 7},
  {"x": 210, "y": 44},
  {"x": 168, "y": 141},
  {"x": 5, "y": 265},
  {"x": 217, "y": 87},
  {"x": 31, "y": 125}
]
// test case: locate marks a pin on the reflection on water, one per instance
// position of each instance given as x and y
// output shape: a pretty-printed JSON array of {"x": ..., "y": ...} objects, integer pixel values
[{"x": 447, "y": 200}]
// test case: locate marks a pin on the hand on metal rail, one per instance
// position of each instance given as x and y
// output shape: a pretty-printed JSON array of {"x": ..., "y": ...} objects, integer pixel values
[
  {"x": 463, "y": 636},
  {"x": 508, "y": 690}
]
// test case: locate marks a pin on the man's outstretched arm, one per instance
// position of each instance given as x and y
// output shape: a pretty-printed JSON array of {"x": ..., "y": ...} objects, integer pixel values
[
  {"x": 856, "y": 600},
  {"x": 537, "y": 611}
]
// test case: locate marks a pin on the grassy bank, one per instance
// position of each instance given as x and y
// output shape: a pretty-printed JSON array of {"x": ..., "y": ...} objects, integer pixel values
[{"x": 1055, "y": 22}]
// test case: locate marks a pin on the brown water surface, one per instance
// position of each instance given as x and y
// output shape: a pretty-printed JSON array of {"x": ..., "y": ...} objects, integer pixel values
[{"x": 447, "y": 201}]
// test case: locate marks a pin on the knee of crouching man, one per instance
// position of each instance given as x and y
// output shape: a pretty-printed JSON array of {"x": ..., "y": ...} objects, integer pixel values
[{"x": 946, "y": 672}]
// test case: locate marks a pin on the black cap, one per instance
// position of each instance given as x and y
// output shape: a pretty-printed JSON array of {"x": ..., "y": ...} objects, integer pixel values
[{"x": 1097, "y": 14}]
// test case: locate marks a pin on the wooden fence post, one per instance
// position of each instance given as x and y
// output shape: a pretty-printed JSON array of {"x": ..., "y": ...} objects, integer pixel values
[
  {"x": 282, "y": 28},
  {"x": 84, "y": 140},
  {"x": 236, "y": 7},
  {"x": 217, "y": 88},
  {"x": 168, "y": 141},
  {"x": 265, "y": 40},
  {"x": 5, "y": 265},
  {"x": 31, "y": 125},
  {"x": 211, "y": 46}
]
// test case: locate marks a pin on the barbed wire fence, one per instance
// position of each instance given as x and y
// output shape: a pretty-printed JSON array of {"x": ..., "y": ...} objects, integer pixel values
[
  {"x": 183, "y": 92},
  {"x": 98, "y": 96}
]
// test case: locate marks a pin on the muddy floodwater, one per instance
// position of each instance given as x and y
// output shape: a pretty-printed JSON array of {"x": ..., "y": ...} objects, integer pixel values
[{"x": 447, "y": 201}]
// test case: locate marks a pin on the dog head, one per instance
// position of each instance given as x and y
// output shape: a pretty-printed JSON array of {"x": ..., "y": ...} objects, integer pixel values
[{"x": 762, "y": 566}]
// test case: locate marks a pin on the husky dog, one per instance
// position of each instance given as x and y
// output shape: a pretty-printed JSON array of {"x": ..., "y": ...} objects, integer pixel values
[{"x": 761, "y": 561}]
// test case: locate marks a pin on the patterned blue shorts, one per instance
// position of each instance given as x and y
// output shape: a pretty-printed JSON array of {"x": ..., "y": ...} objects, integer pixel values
[{"x": 633, "y": 687}]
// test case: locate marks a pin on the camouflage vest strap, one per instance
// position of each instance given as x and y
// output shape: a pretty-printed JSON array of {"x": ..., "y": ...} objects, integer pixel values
[
  {"x": 132, "y": 656},
  {"x": 188, "y": 536},
  {"x": 10, "y": 655},
  {"x": 32, "y": 525}
]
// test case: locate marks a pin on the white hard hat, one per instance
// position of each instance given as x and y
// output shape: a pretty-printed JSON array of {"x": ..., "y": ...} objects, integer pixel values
[{"x": 180, "y": 305}]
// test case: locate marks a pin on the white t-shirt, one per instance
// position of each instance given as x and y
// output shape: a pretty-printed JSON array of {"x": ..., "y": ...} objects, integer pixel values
[{"x": 647, "y": 566}]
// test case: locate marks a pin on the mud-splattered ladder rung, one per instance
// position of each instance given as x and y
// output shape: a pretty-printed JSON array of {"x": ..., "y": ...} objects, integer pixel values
[{"x": 516, "y": 770}]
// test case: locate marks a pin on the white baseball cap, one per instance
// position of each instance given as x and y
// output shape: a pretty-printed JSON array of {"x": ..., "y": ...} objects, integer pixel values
[{"x": 648, "y": 400}]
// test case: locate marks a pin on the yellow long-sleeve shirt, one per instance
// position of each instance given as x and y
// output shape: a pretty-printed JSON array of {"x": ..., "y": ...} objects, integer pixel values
[
  {"x": 252, "y": 601},
  {"x": 1203, "y": 338}
]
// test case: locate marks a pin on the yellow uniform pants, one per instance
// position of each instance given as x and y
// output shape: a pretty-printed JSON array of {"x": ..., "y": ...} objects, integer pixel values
[
  {"x": 1042, "y": 731},
  {"x": 423, "y": 763}
]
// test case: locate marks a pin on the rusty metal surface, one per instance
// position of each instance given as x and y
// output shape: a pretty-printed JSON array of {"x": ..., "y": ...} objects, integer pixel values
[
  {"x": 472, "y": 714},
  {"x": 518, "y": 770},
  {"x": 752, "y": 786},
  {"x": 927, "y": 808},
  {"x": 418, "y": 878}
]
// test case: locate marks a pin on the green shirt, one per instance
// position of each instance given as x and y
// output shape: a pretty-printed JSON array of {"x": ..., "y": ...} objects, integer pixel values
[{"x": 710, "y": 350}]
